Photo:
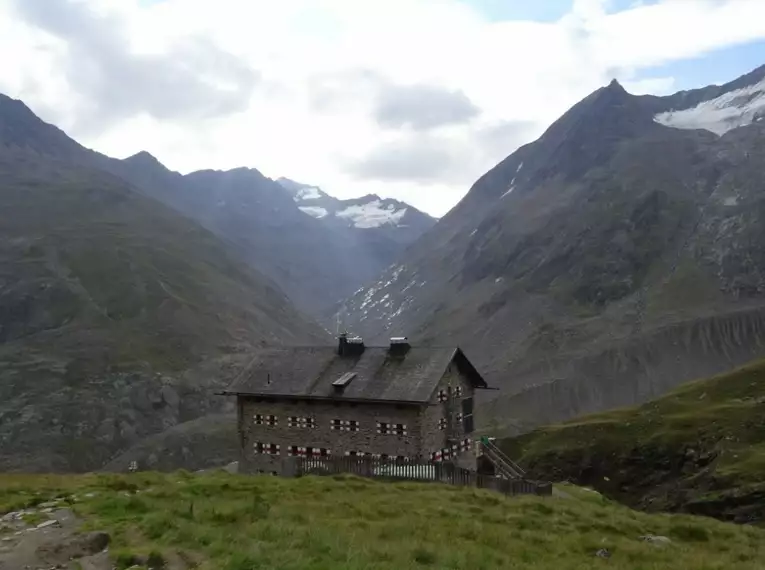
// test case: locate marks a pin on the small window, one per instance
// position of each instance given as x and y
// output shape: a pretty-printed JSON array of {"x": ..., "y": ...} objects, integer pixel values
[
  {"x": 319, "y": 452},
  {"x": 269, "y": 420},
  {"x": 458, "y": 392},
  {"x": 391, "y": 429},
  {"x": 345, "y": 425},
  {"x": 459, "y": 417},
  {"x": 442, "y": 424},
  {"x": 301, "y": 422},
  {"x": 443, "y": 454},
  {"x": 265, "y": 448},
  {"x": 443, "y": 396}
]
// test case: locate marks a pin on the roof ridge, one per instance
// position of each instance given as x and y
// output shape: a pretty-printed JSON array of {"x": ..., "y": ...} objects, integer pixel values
[{"x": 308, "y": 372}]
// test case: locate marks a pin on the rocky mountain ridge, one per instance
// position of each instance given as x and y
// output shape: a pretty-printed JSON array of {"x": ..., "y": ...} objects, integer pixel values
[
  {"x": 364, "y": 212},
  {"x": 317, "y": 264},
  {"x": 607, "y": 230},
  {"x": 119, "y": 317}
]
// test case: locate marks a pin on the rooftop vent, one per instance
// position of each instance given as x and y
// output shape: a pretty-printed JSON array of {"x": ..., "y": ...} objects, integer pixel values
[{"x": 399, "y": 345}]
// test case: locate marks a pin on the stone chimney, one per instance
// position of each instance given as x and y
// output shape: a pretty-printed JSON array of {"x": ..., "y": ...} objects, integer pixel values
[
  {"x": 399, "y": 346},
  {"x": 342, "y": 343},
  {"x": 350, "y": 346}
]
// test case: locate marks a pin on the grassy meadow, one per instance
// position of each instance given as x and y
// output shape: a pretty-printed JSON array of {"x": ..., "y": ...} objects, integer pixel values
[{"x": 232, "y": 522}]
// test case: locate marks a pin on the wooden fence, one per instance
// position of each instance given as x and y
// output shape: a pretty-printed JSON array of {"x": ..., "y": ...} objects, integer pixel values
[{"x": 414, "y": 470}]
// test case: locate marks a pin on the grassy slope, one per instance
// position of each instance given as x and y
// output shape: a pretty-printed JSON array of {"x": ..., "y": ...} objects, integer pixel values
[
  {"x": 230, "y": 522},
  {"x": 700, "y": 449},
  {"x": 121, "y": 262},
  {"x": 204, "y": 443},
  {"x": 118, "y": 316}
]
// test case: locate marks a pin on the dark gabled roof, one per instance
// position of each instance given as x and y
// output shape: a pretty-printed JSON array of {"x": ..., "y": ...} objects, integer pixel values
[{"x": 308, "y": 372}]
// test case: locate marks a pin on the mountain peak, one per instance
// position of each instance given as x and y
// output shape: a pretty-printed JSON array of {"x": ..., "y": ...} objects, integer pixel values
[
  {"x": 616, "y": 86},
  {"x": 612, "y": 94},
  {"x": 20, "y": 127},
  {"x": 143, "y": 156}
]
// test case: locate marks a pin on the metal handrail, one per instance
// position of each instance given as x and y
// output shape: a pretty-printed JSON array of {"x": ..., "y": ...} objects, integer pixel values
[{"x": 500, "y": 460}]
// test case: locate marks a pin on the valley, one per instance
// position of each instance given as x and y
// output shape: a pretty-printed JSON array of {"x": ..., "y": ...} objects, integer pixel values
[
  {"x": 129, "y": 294},
  {"x": 615, "y": 258},
  {"x": 443, "y": 284}
]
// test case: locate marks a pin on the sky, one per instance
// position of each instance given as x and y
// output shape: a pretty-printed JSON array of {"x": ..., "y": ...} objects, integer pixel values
[{"x": 409, "y": 99}]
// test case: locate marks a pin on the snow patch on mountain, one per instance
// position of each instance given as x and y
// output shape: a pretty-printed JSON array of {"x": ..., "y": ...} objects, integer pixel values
[
  {"x": 308, "y": 193},
  {"x": 315, "y": 211},
  {"x": 372, "y": 214},
  {"x": 299, "y": 191},
  {"x": 508, "y": 192},
  {"x": 729, "y": 111}
]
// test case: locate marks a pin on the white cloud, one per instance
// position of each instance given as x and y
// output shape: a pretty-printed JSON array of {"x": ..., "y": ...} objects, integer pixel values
[{"x": 300, "y": 82}]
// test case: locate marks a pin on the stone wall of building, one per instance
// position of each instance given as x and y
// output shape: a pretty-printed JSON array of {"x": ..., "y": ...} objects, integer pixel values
[
  {"x": 442, "y": 420},
  {"x": 328, "y": 426},
  {"x": 325, "y": 426}
]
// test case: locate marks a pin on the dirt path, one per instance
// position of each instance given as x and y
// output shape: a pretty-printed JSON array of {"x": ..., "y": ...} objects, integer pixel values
[{"x": 51, "y": 543}]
